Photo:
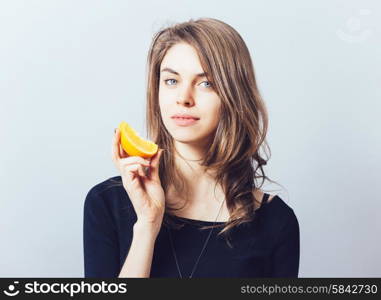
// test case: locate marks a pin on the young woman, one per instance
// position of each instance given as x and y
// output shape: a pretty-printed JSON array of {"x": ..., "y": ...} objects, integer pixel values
[{"x": 198, "y": 211}]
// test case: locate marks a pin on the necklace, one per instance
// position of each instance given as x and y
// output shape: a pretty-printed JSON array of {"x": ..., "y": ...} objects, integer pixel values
[{"x": 202, "y": 250}]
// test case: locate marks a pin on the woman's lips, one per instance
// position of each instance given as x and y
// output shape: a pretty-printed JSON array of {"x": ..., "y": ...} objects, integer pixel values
[{"x": 184, "y": 121}]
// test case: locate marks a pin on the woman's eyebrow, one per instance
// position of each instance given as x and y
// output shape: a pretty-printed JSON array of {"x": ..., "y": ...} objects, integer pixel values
[{"x": 204, "y": 74}]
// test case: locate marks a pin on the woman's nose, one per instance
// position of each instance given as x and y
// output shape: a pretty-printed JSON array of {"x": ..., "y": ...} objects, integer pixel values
[
  {"x": 185, "y": 97},
  {"x": 185, "y": 101}
]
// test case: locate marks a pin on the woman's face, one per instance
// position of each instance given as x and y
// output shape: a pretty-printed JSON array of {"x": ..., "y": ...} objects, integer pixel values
[{"x": 183, "y": 91}]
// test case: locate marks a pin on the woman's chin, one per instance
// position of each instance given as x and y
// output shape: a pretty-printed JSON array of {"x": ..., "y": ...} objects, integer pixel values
[
  {"x": 189, "y": 139},
  {"x": 186, "y": 140}
]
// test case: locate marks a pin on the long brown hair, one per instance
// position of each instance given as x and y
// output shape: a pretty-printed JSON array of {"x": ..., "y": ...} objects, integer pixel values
[{"x": 234, "y": 153}]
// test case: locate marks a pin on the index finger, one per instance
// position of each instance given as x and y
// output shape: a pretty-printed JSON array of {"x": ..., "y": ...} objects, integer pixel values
[{"x": 115, "y": 145}]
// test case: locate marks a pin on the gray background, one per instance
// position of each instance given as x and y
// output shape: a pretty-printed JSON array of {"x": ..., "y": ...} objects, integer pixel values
[{"x": 70, "y": 71}]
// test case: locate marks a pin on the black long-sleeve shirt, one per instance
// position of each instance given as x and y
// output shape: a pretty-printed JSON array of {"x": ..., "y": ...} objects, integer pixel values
[{"x": 266, "y": 247}]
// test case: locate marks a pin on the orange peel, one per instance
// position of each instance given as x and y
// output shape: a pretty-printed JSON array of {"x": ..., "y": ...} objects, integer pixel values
[{"x": 133, "y": 144}]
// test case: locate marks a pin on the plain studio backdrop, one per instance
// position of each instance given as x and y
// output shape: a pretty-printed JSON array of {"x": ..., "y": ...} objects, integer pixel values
[{"x": 70, "y": 71}]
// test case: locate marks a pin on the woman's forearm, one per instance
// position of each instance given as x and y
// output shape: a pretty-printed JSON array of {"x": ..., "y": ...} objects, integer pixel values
[{"x": 139, "y": 259}]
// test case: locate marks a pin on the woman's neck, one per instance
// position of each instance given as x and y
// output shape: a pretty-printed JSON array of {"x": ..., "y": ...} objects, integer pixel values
[{"x": 204, "y": 196}]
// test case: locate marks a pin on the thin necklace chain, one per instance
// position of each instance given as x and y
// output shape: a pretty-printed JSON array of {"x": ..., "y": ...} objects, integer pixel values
[{"x": 203, "y": 248}]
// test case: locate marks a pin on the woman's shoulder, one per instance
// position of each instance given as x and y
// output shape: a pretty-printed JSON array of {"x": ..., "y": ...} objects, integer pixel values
[
  {"x": 108, "y": 194},
  {"x": 260, "y": 196},
  {"x": 104, "y": 186},
  {"x": 275, "y": 207}
]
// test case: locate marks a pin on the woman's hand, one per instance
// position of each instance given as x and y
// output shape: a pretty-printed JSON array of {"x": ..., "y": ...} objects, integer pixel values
[{"x": 145, "y": 191}]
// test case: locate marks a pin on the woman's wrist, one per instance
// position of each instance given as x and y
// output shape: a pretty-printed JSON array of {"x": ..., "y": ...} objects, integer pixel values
[{"x": 147, "y": 230}]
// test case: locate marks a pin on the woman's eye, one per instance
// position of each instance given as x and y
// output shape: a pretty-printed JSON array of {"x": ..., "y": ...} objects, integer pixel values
[
  {"x": 210, "y": 84},
  {"x": 168, "y": 80}
]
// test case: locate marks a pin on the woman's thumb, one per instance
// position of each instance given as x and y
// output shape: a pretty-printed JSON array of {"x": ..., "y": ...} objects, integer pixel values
[{"x": 155, "y": 162}]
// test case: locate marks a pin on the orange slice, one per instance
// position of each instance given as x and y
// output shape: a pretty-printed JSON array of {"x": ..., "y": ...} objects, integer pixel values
[{"x": 133, "y": 144}]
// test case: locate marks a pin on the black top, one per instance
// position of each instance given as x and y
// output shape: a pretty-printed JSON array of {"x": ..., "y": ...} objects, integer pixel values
[{"x": 266, "y": 247}]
